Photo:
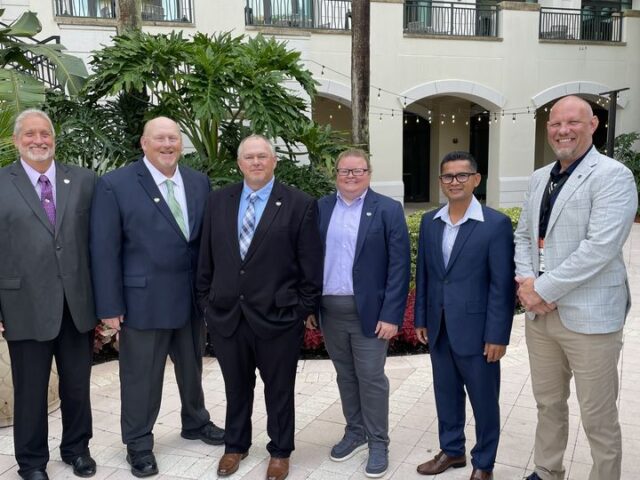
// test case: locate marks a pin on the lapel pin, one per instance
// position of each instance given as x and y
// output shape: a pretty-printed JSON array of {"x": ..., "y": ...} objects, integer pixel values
[
  {"x": 278, "y": 203},
  {"x": 156, "y": 199},
  {"x": 67, "y": 181},
  {"x": 368, "y": 214}
]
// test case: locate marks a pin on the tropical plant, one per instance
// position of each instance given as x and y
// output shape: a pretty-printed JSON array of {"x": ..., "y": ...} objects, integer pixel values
[
  {"x": 219, "y": 89},
  {"x": 625, "y": 152},
  {"x": 7, "y": 149}
]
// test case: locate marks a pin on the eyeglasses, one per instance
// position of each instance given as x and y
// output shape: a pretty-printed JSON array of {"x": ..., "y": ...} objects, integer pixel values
[
  {"x": 356, "y": 172},
  {"x": 460, "y": 177}
]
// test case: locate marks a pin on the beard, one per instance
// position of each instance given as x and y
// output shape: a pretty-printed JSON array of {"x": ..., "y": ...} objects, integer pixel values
[{"x": 32, "y": 155}]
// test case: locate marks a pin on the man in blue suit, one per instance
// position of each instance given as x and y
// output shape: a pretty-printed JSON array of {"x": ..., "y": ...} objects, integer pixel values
[
  {"x": 464, "y": 310},
  {"x": 146, "y": 221},
  {"x": 366, "y": 281}
]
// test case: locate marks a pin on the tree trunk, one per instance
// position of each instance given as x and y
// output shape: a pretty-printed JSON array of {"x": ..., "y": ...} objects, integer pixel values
[
  {"x": 129, "y": 13},
  {"x": 360, "y": 28}
]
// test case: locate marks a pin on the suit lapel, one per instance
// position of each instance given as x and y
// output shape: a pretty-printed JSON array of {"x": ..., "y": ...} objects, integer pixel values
[
  {"x": 64, "y": 185},
  {"x": 152, "y": 190},
  {"x": 436, "y": 240},
  {"x": 189, "y": 191},
  {"x": 274, "y": 203},
  {"x": 366, "y": 218},
  {"x": 231, "y": 220},
  {"x": 577, "y": 177},
  {"x": 463, "y": 234},
  {"x": 26, "y": 190}
]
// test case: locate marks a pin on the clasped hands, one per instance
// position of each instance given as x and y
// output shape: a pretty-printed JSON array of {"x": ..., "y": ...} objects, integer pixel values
[{"x": 529, "y": 298}]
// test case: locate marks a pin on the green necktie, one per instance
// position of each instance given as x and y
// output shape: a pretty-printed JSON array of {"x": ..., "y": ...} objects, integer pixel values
[{"x": 174, "y": 206}]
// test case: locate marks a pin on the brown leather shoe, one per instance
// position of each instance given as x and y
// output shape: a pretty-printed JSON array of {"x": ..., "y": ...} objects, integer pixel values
[
  {"x": 229, "y": 463},
  {"x": 481, "y": 475},
  {"x": 440, "y": 463},
  {"x": 278, "y": 468}
]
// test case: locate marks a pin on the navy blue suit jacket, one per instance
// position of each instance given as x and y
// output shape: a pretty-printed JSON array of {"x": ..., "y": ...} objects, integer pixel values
[
  {"x": 142, "y": 265},
  {"x": 381, "y": 265},
  {"x": 476, "y": 289}
]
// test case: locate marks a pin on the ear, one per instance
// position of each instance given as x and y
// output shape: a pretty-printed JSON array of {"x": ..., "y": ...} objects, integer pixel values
[
  {"x": 477, "y": 180},
  {"x": 593, "y": 124}
]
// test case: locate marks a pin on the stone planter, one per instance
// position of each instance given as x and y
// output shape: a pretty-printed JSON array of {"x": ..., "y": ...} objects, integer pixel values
[{"x": 6, "y": 387}]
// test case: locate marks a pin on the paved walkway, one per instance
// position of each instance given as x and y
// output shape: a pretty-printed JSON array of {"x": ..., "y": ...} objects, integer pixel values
[{"x": 319, "y": 421}]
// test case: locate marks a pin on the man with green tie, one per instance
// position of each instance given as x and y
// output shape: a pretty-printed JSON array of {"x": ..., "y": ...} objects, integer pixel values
[{"x": 146, "y": 220}]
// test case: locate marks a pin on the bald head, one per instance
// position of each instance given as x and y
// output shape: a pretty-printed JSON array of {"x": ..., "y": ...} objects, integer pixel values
[
  {"x": 162, "y": 144},
  {"x": 570, "y": 129}
]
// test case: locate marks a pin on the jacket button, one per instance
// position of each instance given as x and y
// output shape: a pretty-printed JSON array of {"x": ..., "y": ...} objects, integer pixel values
[
  {"x": 241, "y": 272},
  {"x": 241, "y": 297}
]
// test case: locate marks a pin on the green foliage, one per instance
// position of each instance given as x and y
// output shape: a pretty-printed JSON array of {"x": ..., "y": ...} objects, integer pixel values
[
  {"x": 8, "y": 152},
  {"x": 218, "y": 88},
  {"x": 625, "y": 153}
]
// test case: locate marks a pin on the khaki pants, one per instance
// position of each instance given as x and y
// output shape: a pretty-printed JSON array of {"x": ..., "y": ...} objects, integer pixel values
[{"x": 555, "y": 354}]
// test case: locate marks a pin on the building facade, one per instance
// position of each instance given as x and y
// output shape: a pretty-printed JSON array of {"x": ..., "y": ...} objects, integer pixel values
[{"x": 444, "y": 75}]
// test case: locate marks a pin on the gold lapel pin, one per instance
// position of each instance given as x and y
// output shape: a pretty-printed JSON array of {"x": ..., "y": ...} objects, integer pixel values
[
  {"x": 156, "y": 199},
  {"x": 67, "y": 181}
]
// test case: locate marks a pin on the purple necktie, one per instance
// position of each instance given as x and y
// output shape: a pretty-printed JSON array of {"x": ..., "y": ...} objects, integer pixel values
[{"x": 46, "y": 198}]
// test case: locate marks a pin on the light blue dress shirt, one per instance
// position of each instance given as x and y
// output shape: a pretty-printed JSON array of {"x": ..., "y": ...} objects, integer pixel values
[
  {"x": 259, "y": 205},
  {"x": 342, "y": 235},
  {"x": 474, "y": 212},
  {"x": 34, "y": 176},
  {"x": 178, "y": 187}
]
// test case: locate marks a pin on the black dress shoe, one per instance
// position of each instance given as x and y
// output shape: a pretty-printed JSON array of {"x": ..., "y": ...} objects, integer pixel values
[
  {"x": 143, "y": 464},
  {"x": 208, "y": 433},
  {"x": 83, "y": 466},
  {"x": 533, "y": 476},
  {"x": 35, "y": 475}
]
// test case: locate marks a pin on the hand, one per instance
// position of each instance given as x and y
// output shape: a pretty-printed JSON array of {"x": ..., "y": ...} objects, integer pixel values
[
  {"x": 421, "y": 333},
  {"x": 311, "y": 323},
  {"x": 113, "y": 322},
  {"x": 530, "y": 299},
  {"x": 494, "y": 352},
  {"x": 386, "y": 331}
]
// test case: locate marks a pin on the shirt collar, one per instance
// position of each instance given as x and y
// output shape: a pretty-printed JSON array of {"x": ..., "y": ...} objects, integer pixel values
[
  {"x": 262, "y": 193},
  {"x": 34, "y": 175},
  {"x": 555, "y": 171},
  {"x": 474, "y": 212},
  {"x": 160, "y": 177},
  {"x": 354, "y": 201}
]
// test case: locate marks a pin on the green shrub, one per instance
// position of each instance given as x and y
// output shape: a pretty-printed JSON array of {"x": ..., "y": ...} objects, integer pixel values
[{"x": 625, "y": 153}]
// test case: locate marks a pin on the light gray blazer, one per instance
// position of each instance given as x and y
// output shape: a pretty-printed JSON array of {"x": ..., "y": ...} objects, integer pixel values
[
  {"x": 41, "y": 266},
  {"x": 590, "y": 221}
]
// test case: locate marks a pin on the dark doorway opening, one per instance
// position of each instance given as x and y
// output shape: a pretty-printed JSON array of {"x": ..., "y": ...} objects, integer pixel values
[
  {"x": 479, "y": 148},
  {"x": 416, "y": 142}
]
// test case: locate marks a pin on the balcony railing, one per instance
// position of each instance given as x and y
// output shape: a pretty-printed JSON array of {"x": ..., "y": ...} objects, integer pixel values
[
  {"x": 152, "y": 10},
  {"x": 450, "y": 19},
  {"x": 580, "y": 24},
  {"x": 320, "y": 14}
]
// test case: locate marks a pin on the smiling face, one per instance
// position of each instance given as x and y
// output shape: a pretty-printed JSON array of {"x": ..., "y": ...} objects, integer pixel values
[
  {"x": 256, "y": 162},
  {"x": 352, "y": 186},
  {"x": 570, "y": 129},
  {"x": 455, "y": 191},
  {"x": 35, "y": 142},
  {"x": 162, "y": 144}
]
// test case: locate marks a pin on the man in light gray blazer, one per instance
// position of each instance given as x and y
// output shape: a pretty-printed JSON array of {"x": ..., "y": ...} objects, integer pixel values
[
  {"x": 572, "y": 281},
  {"x": 46, "y": 300}
]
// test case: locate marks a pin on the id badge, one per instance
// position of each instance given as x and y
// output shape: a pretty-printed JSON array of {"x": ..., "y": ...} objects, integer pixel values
[{"x": 541, "y": 266}]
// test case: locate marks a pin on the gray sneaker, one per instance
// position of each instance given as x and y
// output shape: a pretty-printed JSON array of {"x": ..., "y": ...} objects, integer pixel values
[
  {"x": 378, "y": 462},
  {"x": 347, "y": 448}
]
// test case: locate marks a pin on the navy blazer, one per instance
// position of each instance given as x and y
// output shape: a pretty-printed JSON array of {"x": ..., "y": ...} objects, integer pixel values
[
  {"x": 142, "y": 265},
  {"x": 476, "y": 289},
  {"x": 381, "y": 265}
]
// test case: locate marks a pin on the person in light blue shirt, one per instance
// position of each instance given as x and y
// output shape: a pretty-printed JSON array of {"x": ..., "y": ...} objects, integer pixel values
[{"x": 364, "y": 294}]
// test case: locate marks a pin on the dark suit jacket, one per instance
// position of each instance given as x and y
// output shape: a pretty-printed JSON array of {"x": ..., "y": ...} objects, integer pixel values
[
  {"x": 40, "y": 265},
  {"x": 476, "y": 289},
  {"x": 280, "y": 280},
  {"x": 381, "y": 265},
  {"x": 142, "y": 265}
]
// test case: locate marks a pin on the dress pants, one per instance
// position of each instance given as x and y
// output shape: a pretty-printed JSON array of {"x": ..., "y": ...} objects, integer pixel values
[
  {"x": 31, "y": 369},
  {"x": 143, "y": 356},
  {"x": 555, "y": 354},
  {"x": 276, "y": 359},
  {"x": 452, "y": 373},
  {"x": 359, "y": 363}
]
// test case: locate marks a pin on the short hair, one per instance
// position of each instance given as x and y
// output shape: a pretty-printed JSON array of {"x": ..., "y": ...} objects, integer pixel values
[
  {"x": 260, "y": 137},
  {"x": 459, "y": 155},
  {"x": 354, "y": 152},
  {"x": 29, "y": 112}
]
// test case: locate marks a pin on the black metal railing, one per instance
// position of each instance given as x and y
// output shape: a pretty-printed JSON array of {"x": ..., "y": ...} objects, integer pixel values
[
  {"x": 580, "y": 24},
  {"x": 152, "y": 10},
  {"x": 320, "y": 14},
  {"x": 450, "y": 19}
]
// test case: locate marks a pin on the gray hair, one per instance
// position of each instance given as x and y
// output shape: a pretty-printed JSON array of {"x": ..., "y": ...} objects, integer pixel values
[
  {"x": 31, "y": 112},
  {"x": 260, "y": 137}
]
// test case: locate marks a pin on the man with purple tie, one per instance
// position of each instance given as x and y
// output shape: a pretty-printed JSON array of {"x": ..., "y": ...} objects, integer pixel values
[{"x": 46, "y": 300}]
